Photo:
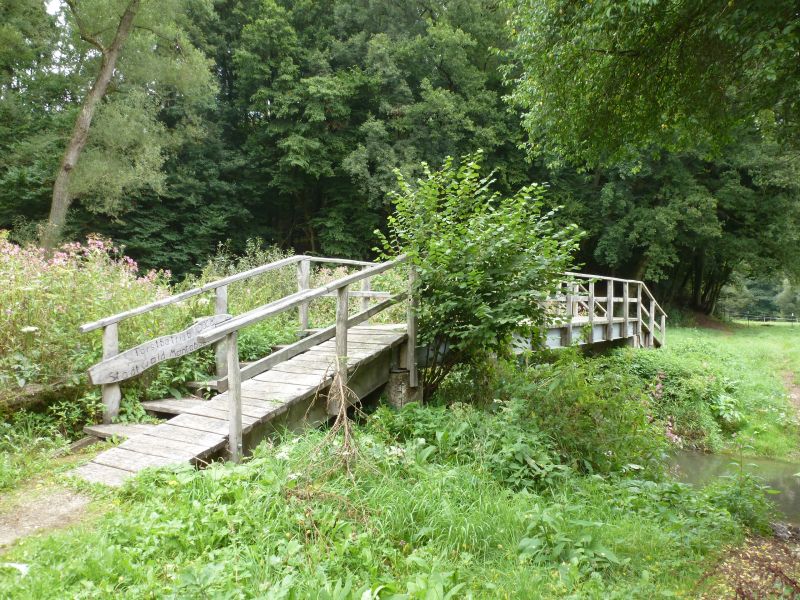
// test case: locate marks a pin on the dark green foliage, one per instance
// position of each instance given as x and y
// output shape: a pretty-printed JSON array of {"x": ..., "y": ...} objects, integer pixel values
[{"x": 602, "y": 79}]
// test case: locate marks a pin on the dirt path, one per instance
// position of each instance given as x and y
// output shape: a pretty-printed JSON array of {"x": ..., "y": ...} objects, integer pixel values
[
  {"x": 41, "y": 508},
  {"x": 761, "y": 568},
  {"x": 792, "y": 388}
]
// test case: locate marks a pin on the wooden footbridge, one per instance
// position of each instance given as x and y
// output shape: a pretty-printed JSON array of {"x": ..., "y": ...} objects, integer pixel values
[{"x": 290, "y": 386}]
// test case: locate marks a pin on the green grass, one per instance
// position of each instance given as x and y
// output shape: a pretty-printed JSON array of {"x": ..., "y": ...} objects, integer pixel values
[
  {"x": 443, "y": 502},
  {"x": 754, "y": 360}
]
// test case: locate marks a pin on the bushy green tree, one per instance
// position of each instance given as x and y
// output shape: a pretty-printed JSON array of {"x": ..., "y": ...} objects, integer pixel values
[
  {"x": 486, "y": 262},
  {"x": 600, "y": 79}
]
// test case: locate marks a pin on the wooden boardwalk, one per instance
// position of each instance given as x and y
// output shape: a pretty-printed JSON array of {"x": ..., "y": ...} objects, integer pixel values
[
  {"x": 289, "y": 386},
  {"x": 200, "y": 432}
]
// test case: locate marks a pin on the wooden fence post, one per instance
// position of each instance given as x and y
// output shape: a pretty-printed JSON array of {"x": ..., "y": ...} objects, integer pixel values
[
  {"x": 625, "y": 308},
  {"x": 220, "y": 352},
  {"x": 342, "y": 308},
  {"x": 366, "y": 286},
  {"x": 234, "y": 399},
  {"x": 566, "y": 331},
  {"x": 610, "y": 310},
  {"x": 111, "y": 392},
  {"x": 639, "y": 314},
  {"x": 411, "y": 328},
  {"x": 303, "y": 283},
  {"x": 591, "y": 313},
  {"x": 663, "y": 330},
  {"x": 652, "y": 325}
]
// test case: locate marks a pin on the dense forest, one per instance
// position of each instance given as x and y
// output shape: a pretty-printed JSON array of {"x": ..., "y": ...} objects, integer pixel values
[{"x": 289, "y": 121}]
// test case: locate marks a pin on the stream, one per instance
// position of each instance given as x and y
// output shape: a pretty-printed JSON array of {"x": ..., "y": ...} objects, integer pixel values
[{"x": 697, "y": 468}]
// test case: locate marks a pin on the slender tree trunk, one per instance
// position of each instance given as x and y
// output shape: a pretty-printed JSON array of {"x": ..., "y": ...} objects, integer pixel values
[{"x": 80, "y": 132}]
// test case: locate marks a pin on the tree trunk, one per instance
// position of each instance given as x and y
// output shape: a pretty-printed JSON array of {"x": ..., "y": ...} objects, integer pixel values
[{"x": 80, "y": 132}]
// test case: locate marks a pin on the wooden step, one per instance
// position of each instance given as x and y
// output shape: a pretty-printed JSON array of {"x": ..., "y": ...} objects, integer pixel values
[
  {"x": 118, "y": 430},
  {"x": 172, "y": 406}
]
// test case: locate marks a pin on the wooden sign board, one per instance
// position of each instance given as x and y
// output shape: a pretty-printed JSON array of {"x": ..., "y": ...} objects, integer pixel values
[{"x": 134, "y": 361}]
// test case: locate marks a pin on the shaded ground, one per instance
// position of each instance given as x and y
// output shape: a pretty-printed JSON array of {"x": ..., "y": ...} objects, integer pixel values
[
  {"x": 762, "y": 568},
  {"x": 707, "y": 322},
  {"x": 41, "y": 508}
]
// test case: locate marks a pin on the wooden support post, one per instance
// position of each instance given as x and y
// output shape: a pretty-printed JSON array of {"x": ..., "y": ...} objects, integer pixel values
[
  {"x": 220, "y": 353},
  {"x": 639, "y": 314},
  {"x": 566, "y": 331},
  {"x": 234, "y": 399},
  {"x": 411, "y": 328},
  {"x": 652, "y": 325},
  {"x": 625, "y": 308},
  {"x": 366, "y": 286},
  {"x": 663, "y": 330},
  {"x": 110, "y": 391},
  {"x": 590, "y": 339},
  {"x": 342, "y": 307},
  {"x": 303, "y": 283},
  {"x": 610, "y": 310}
]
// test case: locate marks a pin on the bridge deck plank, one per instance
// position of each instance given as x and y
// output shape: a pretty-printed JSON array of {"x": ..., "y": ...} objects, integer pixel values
[{"x": 201, "y": 428}]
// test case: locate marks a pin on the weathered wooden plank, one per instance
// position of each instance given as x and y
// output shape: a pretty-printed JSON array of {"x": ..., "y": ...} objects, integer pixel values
[
  {"x": 155, "y": 447},
  {"x": 234, "y": 414},
  {"x": 309, "y": 379},
  {"x": 97, "y": 473},
  {"x": 119, "y": 458},
  {"x": 118, "y": 430},
  {"x": 190, "y": 293},
  {"x": 221, "y": 410},
  {"x": 172, "y": 431},
  {"x": 207, "y": 424},
  {"x": 195, "y": 448},
  {"x": 134, "y": 361},
  {"x": 171, "y": 406}
]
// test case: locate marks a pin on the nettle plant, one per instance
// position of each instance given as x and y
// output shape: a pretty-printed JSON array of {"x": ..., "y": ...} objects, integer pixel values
[{"x": 485, "y": 262}]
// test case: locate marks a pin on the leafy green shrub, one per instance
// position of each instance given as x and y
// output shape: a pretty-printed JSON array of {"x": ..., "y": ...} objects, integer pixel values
[
  {"x": 506, "y": 445},
  {"x": 689, "y": 392},
  {"x": 744, "y": 496},
  {"x": 596, "y": 416},
  {"x": 485, "y": 262}
]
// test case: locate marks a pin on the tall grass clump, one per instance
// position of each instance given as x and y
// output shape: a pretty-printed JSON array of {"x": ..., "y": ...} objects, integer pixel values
[{"x": 44, "y": 300}]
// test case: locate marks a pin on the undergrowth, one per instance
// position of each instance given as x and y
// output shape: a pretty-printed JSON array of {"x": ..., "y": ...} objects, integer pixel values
[{"x": 444, "y": 501}]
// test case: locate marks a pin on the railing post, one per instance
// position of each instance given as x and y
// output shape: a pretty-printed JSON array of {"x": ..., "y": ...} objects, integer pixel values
[
  {"x": 591, "y": 313},
  {"x": 234, "y": 399},
  {"x": 639, "y": 314},
  {"x": 411, "y": 328},
  {"x": 110, "y": 391},
  {"x": 303, "y": 283},
  {"x": 610, "y": 310},
  {"x": 342, "y": 308},
  {"x": 652, "y": 325},
  {"x": 566, "y": 332},
  {"x": 626, "y": 307},
  {"x": 663, "y": 330},
  {"x": 366, "y": 286},
  {"x": 220, "y": 352}
]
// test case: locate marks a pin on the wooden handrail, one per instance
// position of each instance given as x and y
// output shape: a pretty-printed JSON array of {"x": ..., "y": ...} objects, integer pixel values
[
  {"x": 213, "y": 285},
  {"x": 645, "y": 289},
  {"x": 288, "y": 302}
]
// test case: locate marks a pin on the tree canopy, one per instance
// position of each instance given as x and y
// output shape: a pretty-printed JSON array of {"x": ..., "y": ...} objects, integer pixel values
[
  {"x": 599, "y": 80},
  {"x": 665, "y": 129}
]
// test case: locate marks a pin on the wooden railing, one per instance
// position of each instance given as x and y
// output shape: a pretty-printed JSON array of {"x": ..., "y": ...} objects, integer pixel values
[
  {"x": 606, "y": 301},
  {"x": 221, "y": 330}
]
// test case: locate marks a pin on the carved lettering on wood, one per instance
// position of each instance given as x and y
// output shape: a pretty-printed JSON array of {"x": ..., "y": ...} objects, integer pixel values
[{"x": 134, "y": 361}]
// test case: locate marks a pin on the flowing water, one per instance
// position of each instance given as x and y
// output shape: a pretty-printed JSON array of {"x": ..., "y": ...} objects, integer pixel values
[{"x": 698, "y": 469}]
